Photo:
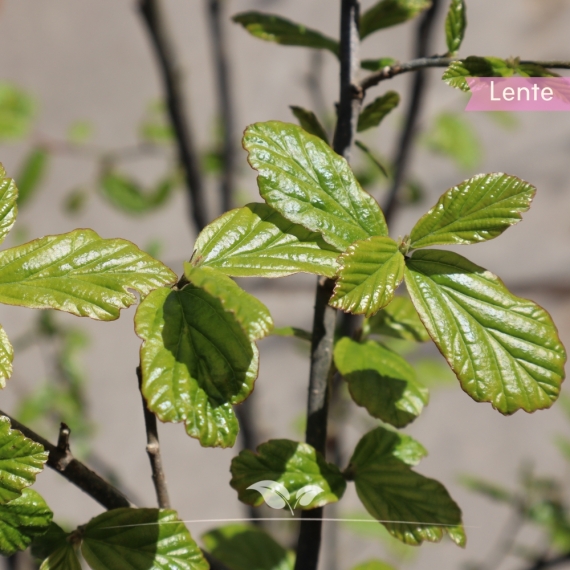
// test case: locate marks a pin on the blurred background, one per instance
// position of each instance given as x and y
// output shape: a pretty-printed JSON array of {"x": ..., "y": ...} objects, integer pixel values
[{"x": 85, "y": 132}]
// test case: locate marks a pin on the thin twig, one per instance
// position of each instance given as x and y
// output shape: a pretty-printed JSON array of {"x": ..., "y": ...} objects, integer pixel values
[
  {"x": 153, "y": 17},
  {"x": 153, "y": 451}
]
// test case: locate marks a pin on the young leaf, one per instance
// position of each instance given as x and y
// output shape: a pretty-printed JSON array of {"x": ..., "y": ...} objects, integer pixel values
[
  {"x": 370, "y": 272},
  {"x": 478, "y": 209},
  {"x": 22, "y": 520},
  {"x": 32, "y": 174},
  {"x": 534, "y": 70},
  {"x": 17, "y": 110},
  {"x": 309, "y": 122},
  {"x": 309, "y": 184},
  {"x": 257, "y": 241},
  {"x": 247, "y": 547},
  {"x": 503, "y": 349},
  {"x": 140, "y": 539},
  {"x": 475, "y": 66},
  {"x": 6, "y": 357},
  {"x": 80, "y": 273},
  {"x": 377, "y": 64},
  {"x": 281, "y": 31},
  {"x": 21, "y": 459},
  {"x": 373, "y": 565},
  {"x": 373, "y": 114},
  {"x": 381, "y": 381},
  {"x": 196, "y": 362},
  {"x": 412, "y": 507},
  {"x": 388, "y": 13},
  {"x": 293, "y": 465},
  {"x": 8, "y": 207},
  {"x": 455, "y": 24},
  {"x": 63, "y": 558},
  {"x": 399, "y": 319}
]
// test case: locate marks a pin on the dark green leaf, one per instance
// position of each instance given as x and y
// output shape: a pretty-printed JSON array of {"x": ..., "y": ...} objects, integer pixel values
[
  {"x": 455, "y": 24},
  {"x": 55, "y": 537},
  {"x": 534, "y": 70},
  {"x": 504, "y": 349},
  {"x": 32, "y": 174},
  {"x": 399, "y": 319},
  {"x": 292, "y": 331},
  {"x": 16, "y": 112},
  {"x": 64, "y": 558},
  {"x": 75, "y": 201},
  {"x": 310, "y": 123},
  {"x": 373, "y": 114},
  {"x": 475, "y": 66},
  {"x": 479, "y": 209},
  {"x": 388, "y": 13},
  {"x": 257, "y": 241},
  {"x": 309, "y": 184},
  {"x": 377, "y": 64},
  {"x": 281, "y": 31},
  {"x": 381, "y": 381},
  {"x": 8, "y": 203}
]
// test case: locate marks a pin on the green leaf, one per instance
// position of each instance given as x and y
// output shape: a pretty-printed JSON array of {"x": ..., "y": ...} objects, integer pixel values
[
  {"x": 288, "y": 473},
  {"x": 388, "y": 13},
  {"x": 309, "y": 184},
  {"x": 370, "y": 272},
  {"x": 55, "y": 537},
  {"x": 309, "y": 122},
  {"x": 140, "y": 539},
  {"x": 293, "y": 331},
  {"x": 64, "y": 558},
  {"x": 6, "y": 358},
  {"x": 22, "y": 520},
  {"x": 21, "y": 459},
  {"x": 475, "y": 66},
  {"x": 373, "y": 158},
  {"x": 489, "y": 490},
  {"x": 196, "y": 362},
  {"x": 381, "y": 381},
  {"x": 534, "y": 70},
  {"x": 503, "y": 349},
  {"x": 373, "y": 114},
  {"x": 377, "y": 64},
  {"x": 32, "y": 174},
  {"x": 79, "y": 273},
  {"x": 251, "y": 314},
  {"x": 455, "y": 24},
  {"x": 399, "y": 319},
  {"x": 412, "y": 507},
  {"x": 246, "y": 547},
  {"x": 16, "y": 112},
  {"x": 282, "y": 31},
  {"x": 479, "y": 209},
  {"x": 373, "y": 565},
  {"x": 79, "y": 132},
  {"x": 8, "y": 206}
]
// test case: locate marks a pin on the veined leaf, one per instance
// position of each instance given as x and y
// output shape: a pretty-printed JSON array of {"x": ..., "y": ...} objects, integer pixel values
[
  {"x": 412, "y": 507},
  {"x": 455, "y": 24},
  {"x": 475, "y": 66},
  {"x": 252, "y": 314},
  {"x": 140, "y": 539},
  {"x": 247, "y": 547},
  {"x": 309, "y": 122},
  {"x": 21, "y": 459},
  {"x": 257, "y": 241},
  {"x": 80, "y": 273},
  {"x": 22, "y": 520},
  {"x": 478, "y": 209},
  {"x": 6, "y": 358},
  {"x": 282, "y": 31},
  {"x": 377, "y": 64},
  {"x": 8, "y": 207},
  {"x": 388, "y": 13},
  {"x": 294, "y": 465},
  {"x": 370, "y": 272},
  {"x": 373, "y": 114},
  {"x": 503, "y": 349},
  {"x": 373, "y": 565},
  {"x": 32, "y": 174},
  {"x": 63, "y": 558},
  {"x": 381, "y": 381},
  {"x": 399, "y": 319},
  {"x": 309, "y": 184},
  {"x": 196, "y": 362}
]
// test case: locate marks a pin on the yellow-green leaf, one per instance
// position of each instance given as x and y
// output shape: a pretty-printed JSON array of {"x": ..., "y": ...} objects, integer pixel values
[
  {"x": 8, "y": 206},
  {"x": 455, "y": 25},
  {"x": 6, "y": 358},
  {"x": 474, "y": 66}
]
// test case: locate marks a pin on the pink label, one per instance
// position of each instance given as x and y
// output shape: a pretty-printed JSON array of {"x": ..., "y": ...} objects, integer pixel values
[{"x": 519, "y": 94}]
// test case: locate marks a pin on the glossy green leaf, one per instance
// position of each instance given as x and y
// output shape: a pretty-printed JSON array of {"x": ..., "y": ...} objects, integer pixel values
[
  {"x": 6, "y": 358},
  {"x": 21, "y": 459},
  {"x": 399, "y": 319},
  {"x": 16, "y": 112},
  {"x": 377, "y": 64},
  {"x": 381, "y": 381},
  {"x": 370, "y": 272},
  {"x": 282, "y": 31},
  {"x": 196, "y": 362},
  {"x": 388, "y": 13},
  {"x": 309, "y": 122},
  {"x": 140, "y": 539},
  {"x": 373, "y": 114},
  {"x": 32, "y": 174},
  {"x": 412, "y": 507},
  {"x": 475, "y": 66},
  {"x": 309, "y": 184},
  {"x": 290, "y": 470},
  {"x": 257, "y": 241},
  {"x": 247, "y": 547},
  {"x": 478, "y": 209},
  {"x": 22, "y": 520},
  {"x": 8, "y": 207},
  {"x": 455, "y": 24},
  {"x": 80, "y": 273},
  {"x": 374, "y": 565},
  {"x": 252, "y": 314},
  {"x": 503, "y": 349}
]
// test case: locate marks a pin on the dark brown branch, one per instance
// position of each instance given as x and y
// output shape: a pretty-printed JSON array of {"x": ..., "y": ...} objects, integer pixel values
[
  {"x": 156, "y": 26},
  {"x": 61, "y": 460}
]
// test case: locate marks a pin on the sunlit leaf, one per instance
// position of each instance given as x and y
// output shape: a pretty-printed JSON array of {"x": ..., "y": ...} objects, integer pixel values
[
  {"x": 388, "y": 13},
  {"x": 399, "y": 319},
  {"x": 373, "y": 114},
  {"x": 373, "y": 565},
  {"x": 309, "y": 122},
  {"x": 6, "y": 358},
  {"x": 8, "y": 207},
  {"x": 475, "y": 66},
  {"x": 32, "y": 174},
  {"x": 455, "y": 24}
]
